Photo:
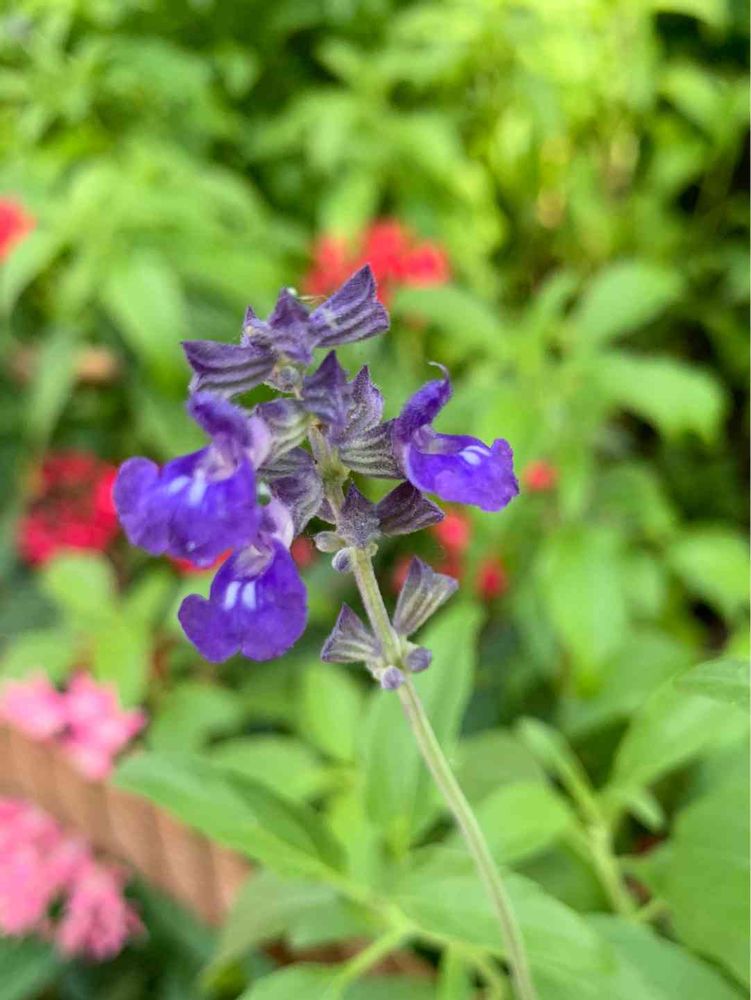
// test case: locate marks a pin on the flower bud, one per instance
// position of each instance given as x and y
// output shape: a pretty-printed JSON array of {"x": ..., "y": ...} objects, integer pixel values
[
  {"x": 327, "y": 541},
  {"x": 342, "y": 561},
  {"x": 418, "y": 659},
  {"x": 391, "y": 679}
]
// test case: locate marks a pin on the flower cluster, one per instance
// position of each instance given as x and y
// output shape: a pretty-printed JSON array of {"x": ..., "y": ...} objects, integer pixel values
[
  {"x": 52, "y": 885},
  {"x": 15, "y": 223},
  {"x": 86, "y": 719},
  {"x": 390, "y": 249},
  {"x": 71, "y": 507},
  {"x": 255, "y": 485}
]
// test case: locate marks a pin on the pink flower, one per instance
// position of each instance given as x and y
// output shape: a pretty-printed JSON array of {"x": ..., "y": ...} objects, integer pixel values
[
  {"x": 97, "y": 920},
  {"x": 15, "y": 224},
  {"x": 39, "y": 866},
  {"x": 33, "y": 706},
  {"x": 540, "y": 477}
]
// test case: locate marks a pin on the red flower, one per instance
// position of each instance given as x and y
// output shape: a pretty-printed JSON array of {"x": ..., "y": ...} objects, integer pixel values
[
  {"x": 303, "y": 551},
  {"x": 540, "y": 476},
  {"x": 453, "y": 532},
  {"x": 15, "y": 223},
  {"x": 72, "y": 507},
  {"x": 391, "y": 250},
  {"x": 492, "y": 579}
]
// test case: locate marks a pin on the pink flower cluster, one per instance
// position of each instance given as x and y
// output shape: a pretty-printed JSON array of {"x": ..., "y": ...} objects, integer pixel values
[
  {"x": 41, "y": 866},
  {"x": 86, "y": 720}
]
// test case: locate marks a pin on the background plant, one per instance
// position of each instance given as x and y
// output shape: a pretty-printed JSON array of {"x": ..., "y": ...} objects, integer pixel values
[{"x": 584, "y": 172}]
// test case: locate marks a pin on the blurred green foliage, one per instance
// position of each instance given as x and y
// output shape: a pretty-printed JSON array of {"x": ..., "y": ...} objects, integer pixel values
[{"x": 584, "y": 165}]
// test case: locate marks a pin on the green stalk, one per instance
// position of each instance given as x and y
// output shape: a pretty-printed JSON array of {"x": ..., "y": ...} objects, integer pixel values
[{"x": 445, "y": 779}]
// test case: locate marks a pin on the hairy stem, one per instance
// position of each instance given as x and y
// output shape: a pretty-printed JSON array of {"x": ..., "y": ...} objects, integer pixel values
[{"x": 445, "y": 779}]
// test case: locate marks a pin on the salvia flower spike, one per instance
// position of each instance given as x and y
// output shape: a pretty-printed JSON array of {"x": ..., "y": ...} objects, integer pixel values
[{"x": 268, "y": 470}]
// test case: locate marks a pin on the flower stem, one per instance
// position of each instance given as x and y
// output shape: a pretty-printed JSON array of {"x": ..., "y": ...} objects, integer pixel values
[{"x": 445, "y": 779}]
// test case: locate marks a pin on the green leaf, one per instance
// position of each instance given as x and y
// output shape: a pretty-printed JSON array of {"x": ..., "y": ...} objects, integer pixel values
[
  {"x": 283, "y": 763},
  {"x": 83, "y": 586},
  {"x": 144, "y": 299},
  {"x": 647, "y": 658},
  {"x": 445, "y": 899},
  {"x": 53, "y": 651},
  {"x": 121, "y": 655},
  {"x": 486, "y": 760},
  {"x": 263, "y": 911},
  {"x": 51, "y": 385},
  {"x": 725, "y": 679},
  {"x": 313, "y": 982},
  {"x": 675, "y": 397},
  {"x": 624, "y": 297},
  {"x": 27, "y": 968},
  {"x": 398, "y": 790},
  {"x": 712, "y": 561},
  {"x": 672, "y": 727},
  {"x": 519, "y": 820},
  {"x": 583, "y": 588},
  {"x": 193, "y": 713},
  {"x": 149, "y": 599},
  {"x": 651, "y": 968},
  {"x": 470, "y": 323},
  {"x": 242, "y": 814},
  {"x": 32, "y": 255},
  {"x": 706, "y": 880},
  {"x": 455, "y": 979},
  {"x": 329, "y": 709}
]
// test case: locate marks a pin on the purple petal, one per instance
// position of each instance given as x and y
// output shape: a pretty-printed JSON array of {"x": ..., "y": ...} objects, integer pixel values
[
  {"x": 422, "y": 408},
  {"x": 463, "y": 469},
  {"x": 133, "y": 494},
  {"x": 219, "y": 418},
  {"x": 195, "y": 508},
  {"x": 260, "y": 611},
  {"x": 351, "y": 313},
  {"x": 228, "y": 368}
]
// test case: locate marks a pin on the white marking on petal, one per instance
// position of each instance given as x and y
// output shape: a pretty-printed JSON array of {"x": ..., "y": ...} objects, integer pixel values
[
  {"x": 177, "y": 484},
  {"x": 249, "y": 595},
  {"x": 230, "y": 598},
  {"x": 196, "y": 492},
  {"x": 474, "y": 454}
]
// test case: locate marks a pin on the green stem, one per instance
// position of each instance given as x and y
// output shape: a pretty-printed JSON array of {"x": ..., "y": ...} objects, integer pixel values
[
  {"x": 445, "y": 779},
  {"x": 609, "y": 872},
  {"x": 367, "y": 958}
]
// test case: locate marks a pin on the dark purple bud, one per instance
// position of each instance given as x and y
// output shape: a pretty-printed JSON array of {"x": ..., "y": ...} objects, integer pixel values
[
  {"x": 371, "y": 454},
  {"x": 286, "y": 379},
  {"x": 327, "y": 541},
  {"x": 326, "y": 393},
  {"x": 287, "y": 422},
  {"x": 358, "y": 521},
  {"x": 366, "y": 404},
  {"x": 351, "y": 313},
  {"x": 424, "y": 591},
  {"x": 342, "y": 561},
  {"x": 350, "y": 641},
  {"x": 418, "y": 659},
  {"x": 391, "y": 679},
  {"x": 288, "y": 328},
  {"x": 228, "y": 369},
  {"x": 405, "y": 509}
]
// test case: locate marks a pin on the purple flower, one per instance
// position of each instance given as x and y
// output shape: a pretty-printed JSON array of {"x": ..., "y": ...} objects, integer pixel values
[
  {"x": 270, "y": 349},
  {"x": 257, "y": 606},
  {"x": 455, "y": 467},
  {"x": 202, "y": 504}
]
